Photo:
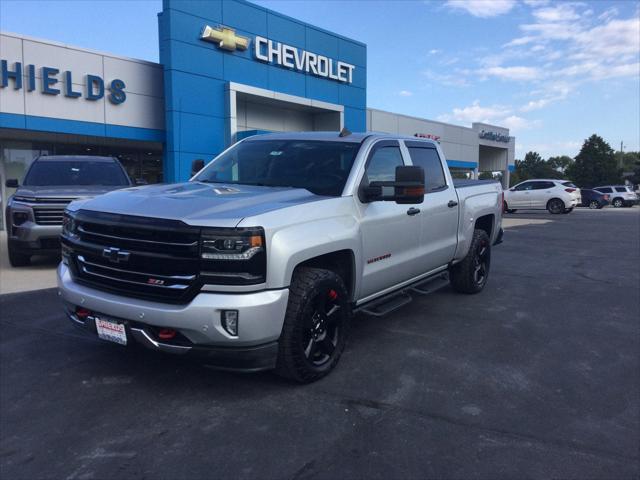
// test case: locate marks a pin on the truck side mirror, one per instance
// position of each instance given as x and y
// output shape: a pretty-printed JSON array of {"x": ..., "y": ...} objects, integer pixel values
[
  {"x": 407, "y": 188},
  {"x": 196, "y": 166},
  {"x": 11, "y": 183}
]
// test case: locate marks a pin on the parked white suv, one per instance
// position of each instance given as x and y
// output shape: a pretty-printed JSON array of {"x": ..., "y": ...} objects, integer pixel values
[
  {"x": 621, "y": 195},
  {"x": 557, "y": 196}
]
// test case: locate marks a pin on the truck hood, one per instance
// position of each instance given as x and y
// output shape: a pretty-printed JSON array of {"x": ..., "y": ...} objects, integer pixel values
[
  {"x": 197, "y": 203},
  {"x": 66, "y": 191}
]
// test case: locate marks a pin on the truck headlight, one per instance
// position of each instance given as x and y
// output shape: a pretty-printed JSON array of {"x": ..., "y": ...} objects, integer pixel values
[
  {"x": 231, "y": 245},
  {"x": 69, "y": 227},
  {"x": 233, "y": 256}
]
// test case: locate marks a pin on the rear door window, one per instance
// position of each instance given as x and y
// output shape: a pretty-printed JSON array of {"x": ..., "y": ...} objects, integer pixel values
[
  {"x": 428, "y": 159},
  {"x": 621, "y": 189}
]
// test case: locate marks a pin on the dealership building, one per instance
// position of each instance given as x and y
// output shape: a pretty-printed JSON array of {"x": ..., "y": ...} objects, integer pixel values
[{"x": 228, "y": 69}]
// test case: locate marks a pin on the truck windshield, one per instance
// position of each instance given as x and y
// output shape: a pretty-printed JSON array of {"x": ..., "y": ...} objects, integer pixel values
[
  {"x": 53, "y": 173},
  {"x": 322, "y": 167}
]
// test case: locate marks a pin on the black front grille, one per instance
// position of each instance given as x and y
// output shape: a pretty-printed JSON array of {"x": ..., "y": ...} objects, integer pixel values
[
  {"x": 136, "y": 256},
  {"x": 48, "y": 215}
]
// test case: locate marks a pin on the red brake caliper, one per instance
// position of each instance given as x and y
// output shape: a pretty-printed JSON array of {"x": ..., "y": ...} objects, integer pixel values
[{"x": 333, "y": 294}]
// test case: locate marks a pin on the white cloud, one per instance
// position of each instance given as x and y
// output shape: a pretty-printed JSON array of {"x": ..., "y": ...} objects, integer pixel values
[
  {"x": 559, "y": 13},
  {"x": 434, "y": 51},
  {"x": 500, "y": 115},
  {"x": 456, "y": 79},
  {"x": 536, "y": 3},
  {"x": 551, "y": 93},
  {"x": 476, "y": 113},
  {"x": 405, "y": 93},
  {"x": 510, "y": 73},
  {"x": 520, "y": 41},
  {"x": 516, "y": 124},
  {"x": 482, "y": 8}
]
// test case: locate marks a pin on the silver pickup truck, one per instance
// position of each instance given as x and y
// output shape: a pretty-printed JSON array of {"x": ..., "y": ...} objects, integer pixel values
[{"x": 261, "y": 259}]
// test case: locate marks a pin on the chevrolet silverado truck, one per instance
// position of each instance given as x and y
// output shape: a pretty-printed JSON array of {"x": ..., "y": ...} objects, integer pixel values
[
  {"x": 261, "y": 259},
  {"x": 34, "y": 212}
]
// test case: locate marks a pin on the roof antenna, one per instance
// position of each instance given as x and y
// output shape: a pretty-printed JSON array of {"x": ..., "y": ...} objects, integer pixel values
[{"x": 344, "y": 132}]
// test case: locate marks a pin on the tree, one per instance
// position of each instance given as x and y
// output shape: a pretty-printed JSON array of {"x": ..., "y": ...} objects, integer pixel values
[
  {"x": 533, "y": 166},
  {"x": 560, "y": 163},
  {"x": 595, "y": 164},
  {"x": 485, "y": 176}
]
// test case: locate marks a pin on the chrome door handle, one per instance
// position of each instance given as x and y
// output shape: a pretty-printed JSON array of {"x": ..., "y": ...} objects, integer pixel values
[
  {"x": 452, "y": 203},
  {"x": 413, "y": 211}
]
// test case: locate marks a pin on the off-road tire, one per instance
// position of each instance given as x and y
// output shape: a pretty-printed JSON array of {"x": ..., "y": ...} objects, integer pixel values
[
  {"x": 308, "y": 286},
  {"x": 17, "y": 259},
  {"x": 462, "y": 275}
]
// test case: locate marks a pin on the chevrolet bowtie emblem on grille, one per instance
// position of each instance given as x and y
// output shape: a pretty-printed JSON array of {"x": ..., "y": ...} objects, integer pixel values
[
  {"x": 115, "y": 255},
  {"x": 225, "y": 38}
]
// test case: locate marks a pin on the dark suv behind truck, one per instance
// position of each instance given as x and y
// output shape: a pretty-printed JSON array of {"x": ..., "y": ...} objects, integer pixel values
[{"x": 34, "y": 211}]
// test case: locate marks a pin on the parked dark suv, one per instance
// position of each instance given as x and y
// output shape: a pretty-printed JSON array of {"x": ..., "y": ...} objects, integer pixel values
[
  {"x": 594, "y": 199},
  {"x": 34, "y": 211}
]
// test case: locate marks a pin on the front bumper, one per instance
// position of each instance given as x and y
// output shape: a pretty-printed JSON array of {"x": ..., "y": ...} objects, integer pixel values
[{"x": 260, "y": 320}]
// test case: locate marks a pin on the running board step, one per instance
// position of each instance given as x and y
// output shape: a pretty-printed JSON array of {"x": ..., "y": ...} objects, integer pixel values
[
  {"x": 386, "y": 305},
  {"x": 431, "y": 285}
]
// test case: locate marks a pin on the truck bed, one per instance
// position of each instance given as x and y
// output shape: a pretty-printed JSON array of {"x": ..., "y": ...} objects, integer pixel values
[{"x": 471, "y": 183}]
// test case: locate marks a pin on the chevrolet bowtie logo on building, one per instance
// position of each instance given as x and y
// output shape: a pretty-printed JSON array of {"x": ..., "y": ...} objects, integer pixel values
[
  {"x": 115, "y": 255},
  {"x": 225, "y": 38}
]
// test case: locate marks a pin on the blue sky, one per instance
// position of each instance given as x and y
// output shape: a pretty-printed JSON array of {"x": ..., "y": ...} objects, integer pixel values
[{"x": 554, "y": 72}]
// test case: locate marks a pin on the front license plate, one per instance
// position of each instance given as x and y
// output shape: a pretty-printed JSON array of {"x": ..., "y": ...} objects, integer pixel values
[{"x": 111, "y": 331}]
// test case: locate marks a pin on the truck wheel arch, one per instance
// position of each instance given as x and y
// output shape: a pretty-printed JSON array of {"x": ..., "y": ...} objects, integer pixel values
[
  {"x": 486, "y": 223},
  {"x": 341, "y": 262}
]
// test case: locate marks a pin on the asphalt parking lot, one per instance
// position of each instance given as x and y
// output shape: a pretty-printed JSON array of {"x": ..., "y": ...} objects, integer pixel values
[{"x": 536, "y": 377}]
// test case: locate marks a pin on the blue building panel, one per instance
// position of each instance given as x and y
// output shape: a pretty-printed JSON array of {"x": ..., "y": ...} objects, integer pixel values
[
  {"x": 287, "y": 81},
  {"x": 178, "y": 90},
  {"x": 322, "y": 42},
  {"x": 323, "y": 89},
  {"x": 208, "y": 9},
  {"x": 353, "y": 52},
  {"x": 252, "y": 17},
  {"x": 355, "y": 119},
  {"x": 352, "y": 96},
  {"x": 286, "y": 30},
  {"x": 201, "y": 133},
  {"x": 237, "y": 69},
  {"x": 194, "y": 59},
  {"x": 197, "y": 72}
]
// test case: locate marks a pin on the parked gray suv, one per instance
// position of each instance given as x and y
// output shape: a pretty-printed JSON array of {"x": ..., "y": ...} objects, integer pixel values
[{"x": 34, "y": 211}]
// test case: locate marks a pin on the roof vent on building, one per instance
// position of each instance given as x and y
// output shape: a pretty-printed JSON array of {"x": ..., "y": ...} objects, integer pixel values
[{"x": 344, "y": 132}]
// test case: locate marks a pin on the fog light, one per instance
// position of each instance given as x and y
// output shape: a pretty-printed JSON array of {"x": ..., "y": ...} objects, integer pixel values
[
  {"x": 19, "y": 218},
  {"x": 230, "y": 321}
]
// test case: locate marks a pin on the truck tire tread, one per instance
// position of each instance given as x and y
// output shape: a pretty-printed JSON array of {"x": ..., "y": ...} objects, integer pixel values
[
  {"x": 461, "y": 274},
  {"x": 291, "y": 362}
]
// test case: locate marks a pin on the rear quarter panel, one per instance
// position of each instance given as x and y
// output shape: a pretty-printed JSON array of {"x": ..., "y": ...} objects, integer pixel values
[{"x": 474, "y": 202}]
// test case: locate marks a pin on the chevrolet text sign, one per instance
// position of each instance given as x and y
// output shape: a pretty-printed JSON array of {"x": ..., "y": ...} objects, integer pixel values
[
  {"x": 281, "y": 54},
  {"x": 291, "y": 57}
]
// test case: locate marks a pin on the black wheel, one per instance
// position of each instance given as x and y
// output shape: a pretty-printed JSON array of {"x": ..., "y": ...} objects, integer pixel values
[
  {"x": 618, "y": 203},
  {"x": 593, "y": 204},
  {"x": 555, "y": 206},
  {"x": 316, "y": 325},
  {"x": 505, "y": 208},
  {"x": 17, "y": 259},
  {"x": 470, "y": 275},
  {"x": 568, "y": 210}
]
